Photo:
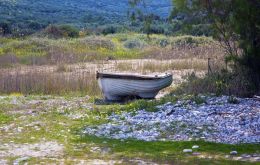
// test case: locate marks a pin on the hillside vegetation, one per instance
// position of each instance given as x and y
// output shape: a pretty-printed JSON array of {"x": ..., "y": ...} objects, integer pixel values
[
  {"x": 27, "y": 16},
  {"x": 39, "y": 51}
]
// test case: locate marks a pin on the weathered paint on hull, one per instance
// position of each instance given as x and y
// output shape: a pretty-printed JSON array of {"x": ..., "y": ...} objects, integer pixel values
[{"x": 116, "y": 89}]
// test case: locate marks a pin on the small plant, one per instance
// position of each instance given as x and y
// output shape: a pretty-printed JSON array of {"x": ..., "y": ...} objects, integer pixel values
[
  {"x": 62, "y": 31},
  {"x": 5, "y": 28},
  {"x": 4, "y": 118},
  {"x": 134, "y": 44},
  {"x": 233, "y": 100},
  {"x": 220, "y": 87},
  {"x": 63, "y": 68},
  {"x": 109, "y": 30},
  {"x": 198, "y": 99}
]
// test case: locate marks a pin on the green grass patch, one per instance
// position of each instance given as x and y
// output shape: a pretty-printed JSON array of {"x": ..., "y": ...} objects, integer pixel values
[
  {"x": 4, "y": 118},
  {"x": 169, "y": 151},
  {"x": 43, "y": 50},
  {"x": 132, "y": 106},
  {"x": 56, "y": 125}
]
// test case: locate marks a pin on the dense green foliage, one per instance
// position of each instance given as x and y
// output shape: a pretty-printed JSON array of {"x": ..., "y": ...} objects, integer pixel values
[
  {"x": 25, "y": 17},
  {"x": 56, "y": 46},
  {"x": 62, "y": 31},
  {"x": 219, "y": 83},
  {"x": 102, "y": 17},
  {"x": 236, "y": 26}
]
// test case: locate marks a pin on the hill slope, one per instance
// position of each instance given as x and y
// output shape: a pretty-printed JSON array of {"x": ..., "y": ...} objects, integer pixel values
[{"x": 77, "y": 12}]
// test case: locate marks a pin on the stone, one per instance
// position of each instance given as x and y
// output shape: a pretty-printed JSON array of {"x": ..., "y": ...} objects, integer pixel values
[
  {"x": 187, "y": 150},
  {"x": 233, "y": 153},
  {"x": 227, "y": 156},
  {"x": 246, "y": 156},
  {"x": 19, "y": 160},
  {"x": 195, "y": 147},
  {"x": 195, "y": 153},
  {"x": 218, "y": 121}
]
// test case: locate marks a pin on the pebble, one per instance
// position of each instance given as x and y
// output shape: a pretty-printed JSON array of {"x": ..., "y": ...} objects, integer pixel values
[
  {"x": 187, "y": 150},
  {"x": 195, "y": 153},
  {"x": 195, "y": 147},
  {"x": 19, "y": 160},
  {"x": 233, "y": 153},
  {"x": 216, "y": 121}
]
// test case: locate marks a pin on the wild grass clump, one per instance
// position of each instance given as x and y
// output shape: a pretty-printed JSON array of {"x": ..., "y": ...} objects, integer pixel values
[
  {"x": 48, "y": 82},
  {"x": 63, "y": 68},
  {"x": 147, "y": 66},
  {"x": 61, "y": 31},
  {"x": 4, "y": 118},
  {"x": 134, "y": 44},
  {"x": 40, "y": 50},
  {"x": 191, "y": 40},
  {"x": 219, "y": 83}
]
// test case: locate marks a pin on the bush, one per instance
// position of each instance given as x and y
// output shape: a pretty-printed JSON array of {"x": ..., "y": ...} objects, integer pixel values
[
  {"x": 96, "y": 42},
  {"x": 109, "y": 30},
  {"x": 190, "y": 40},
  {"x": 134, "y": 44},
  {"x": 163, "y": 43},
  {"x": 36, "y": 25},
  {"x": 5, "y": 28},
  {"x": 220, "y": 83},
  {"x": 62, "y": 31}
]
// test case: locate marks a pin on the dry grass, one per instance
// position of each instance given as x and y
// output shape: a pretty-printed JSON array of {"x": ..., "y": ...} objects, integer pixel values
[
  {"x": 33, "y": 81},
  {"x": 45, "y": 51},
  {"x": 80, "y": 78},
  {"x": 51, "y": 66},
  {"x": 148, "y": 66}
]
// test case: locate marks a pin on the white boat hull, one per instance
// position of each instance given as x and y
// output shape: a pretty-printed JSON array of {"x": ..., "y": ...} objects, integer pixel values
[{"x": 116, "y": 89}]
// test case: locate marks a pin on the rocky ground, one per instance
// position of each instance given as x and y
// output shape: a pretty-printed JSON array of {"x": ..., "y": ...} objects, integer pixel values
[
  {"x": 49, "y": 130},
  {"x": 215, "y": 119}
]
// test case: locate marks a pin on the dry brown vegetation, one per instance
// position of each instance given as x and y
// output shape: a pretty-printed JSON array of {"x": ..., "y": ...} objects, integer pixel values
[
  {"x": 48, "y": 66},
  {"x": 47, "y": 80},
  {"x": 80, "y": 78},
  {"x": 45, "y": 51}
]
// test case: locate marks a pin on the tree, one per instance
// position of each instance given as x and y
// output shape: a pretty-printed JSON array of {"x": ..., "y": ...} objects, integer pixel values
[
  {"x": 236, "y": 25},
  {"x": 136, "y": 12},
  {"x": 61, "y": 31},
  {"x": 5, "y": 28}
]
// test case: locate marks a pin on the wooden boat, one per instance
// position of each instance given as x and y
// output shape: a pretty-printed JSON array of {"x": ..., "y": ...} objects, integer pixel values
[{"x": 117, "y": 86}]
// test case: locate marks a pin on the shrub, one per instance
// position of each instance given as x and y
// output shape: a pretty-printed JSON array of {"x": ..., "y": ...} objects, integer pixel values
[
  {"x": 95, "y": 43},
  {"x": 190, "y": 40},
  {"x": 62, "y": 31},
  {"x": 233, "y": 100},
  {"x": 36, "y": 25},
  {"x": 70, "y": 31},
  {"x": 5, "y": 28},
  {"x": 163, "y": 43},
  {"x": 220, "y": 83},
  {"x": 109, "y": 30},
  {"x": 134, "y": 44}
]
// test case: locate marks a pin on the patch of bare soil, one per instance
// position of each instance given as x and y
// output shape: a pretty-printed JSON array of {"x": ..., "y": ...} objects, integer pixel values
[{"x": 41, "y": 149}]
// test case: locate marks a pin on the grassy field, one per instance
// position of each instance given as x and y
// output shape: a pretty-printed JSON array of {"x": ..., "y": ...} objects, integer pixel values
[
  {"x": 44, "y": 51},
  {"x": 49, "y": 94},
  {"x": 32, "y": 122},
  {"x": 66, "y": 66}
]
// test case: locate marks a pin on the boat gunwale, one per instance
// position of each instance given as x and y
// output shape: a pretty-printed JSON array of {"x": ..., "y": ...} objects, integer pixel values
[{"x": 131, "y": 77}]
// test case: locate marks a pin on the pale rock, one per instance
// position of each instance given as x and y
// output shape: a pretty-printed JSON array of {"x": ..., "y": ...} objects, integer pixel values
[
  {"x": 233, "y": 153},
  {"x": 187, "y": 150},
  {"x": 195, "y": 147}
]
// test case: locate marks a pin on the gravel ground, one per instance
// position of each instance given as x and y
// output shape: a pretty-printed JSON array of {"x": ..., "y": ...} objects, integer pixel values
[{"x": 216, "y": 120}]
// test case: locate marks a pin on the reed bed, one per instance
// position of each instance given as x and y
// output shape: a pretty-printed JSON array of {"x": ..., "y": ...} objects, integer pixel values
[
  {"x": 80, "y": 78},
  {"x": 148, "y": 66},
  {"x": 47, "y": 51},
  {"x": 48, "y": 82}
]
